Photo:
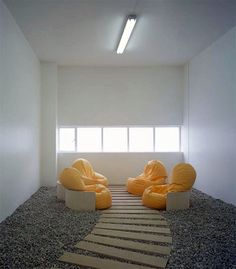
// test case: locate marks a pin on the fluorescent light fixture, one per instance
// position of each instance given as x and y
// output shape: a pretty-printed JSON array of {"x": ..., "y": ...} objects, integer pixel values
[{"x": 129, "y": 26}]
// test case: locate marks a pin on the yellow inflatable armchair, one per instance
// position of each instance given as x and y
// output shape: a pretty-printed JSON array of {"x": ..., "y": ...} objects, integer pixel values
[
  {"x": 154, "y": 174},
  {"x": 182, "y": 179},
  {"x": 72, "y": 179},
  {"x": 90, "y": 177}
]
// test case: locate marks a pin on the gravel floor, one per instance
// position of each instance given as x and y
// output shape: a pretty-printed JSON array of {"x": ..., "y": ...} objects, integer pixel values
[
  {"x": 41, "y": 229},
  {"x": 204, "y": 236}
]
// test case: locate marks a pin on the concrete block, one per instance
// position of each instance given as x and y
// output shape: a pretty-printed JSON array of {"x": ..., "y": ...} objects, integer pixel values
[
  {"x": 80, "y": 200},
  {"x": 177, "y": 200},
  {"x": 60, "y": 191}
]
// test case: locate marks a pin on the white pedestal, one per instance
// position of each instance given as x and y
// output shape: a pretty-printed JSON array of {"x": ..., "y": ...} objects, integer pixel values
[
  {"x": 60, "y": 191},
  {"x": 177, "y": 200},
  {"x": 80, "y": 200}
]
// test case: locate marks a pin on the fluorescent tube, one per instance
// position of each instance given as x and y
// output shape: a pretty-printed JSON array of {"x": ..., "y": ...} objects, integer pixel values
[{"x": 129, "y": 26}]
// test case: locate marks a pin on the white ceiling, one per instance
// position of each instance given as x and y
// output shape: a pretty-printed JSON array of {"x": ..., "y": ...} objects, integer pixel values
[{"x": 86, "y": 32}]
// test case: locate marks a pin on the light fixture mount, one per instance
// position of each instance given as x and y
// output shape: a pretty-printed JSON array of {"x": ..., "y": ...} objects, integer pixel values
[{"x": 127, "y": 31}]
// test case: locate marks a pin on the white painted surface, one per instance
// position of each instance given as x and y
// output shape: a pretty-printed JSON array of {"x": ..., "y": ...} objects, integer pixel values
[
  {"x": 212, "y": 118},
  {"x": 86, "y": 32},
  {"x": 117, "y": 167},
  {"x": 20, "y": 116},
  {"x": 80, "y": 200},
  {"x": 177, "y": 200},
  {"x": 185, "y": 129},
  {"x": 48, "y": 123},
  {"x": 116, "y": 96},
  {"x": 61, "y": 191},
  {"x": 120, "y": 96}
]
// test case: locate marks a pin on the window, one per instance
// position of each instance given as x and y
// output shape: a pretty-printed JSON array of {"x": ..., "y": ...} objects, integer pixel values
[
  {"x": 67, "y": 139},
  {"x": 167, "y": 139},
  {"x": 141, "y": 139},
  {"x": 115, "y": 139},
  {"x": 119, "y": 139},
  {"x": 89, "y": 139}
]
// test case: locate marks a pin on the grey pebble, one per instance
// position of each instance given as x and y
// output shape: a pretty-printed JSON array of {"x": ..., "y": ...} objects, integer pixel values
[{"x": 40, "y": 230}]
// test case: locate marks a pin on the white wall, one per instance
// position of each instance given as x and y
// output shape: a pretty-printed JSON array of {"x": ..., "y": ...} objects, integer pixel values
[
  {"x": 117, "y": 167},
  {"x": 120, "y": 96},
  {"x": 116, "y": 96},
  {"x": 185, "y": 129},
  {"x": 212, "y": 118},
  {"x": 20, "y": 116},
  {"x": 48, "y": 123}
]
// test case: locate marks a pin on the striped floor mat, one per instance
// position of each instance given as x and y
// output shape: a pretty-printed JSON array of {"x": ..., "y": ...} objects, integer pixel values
[{"x": 128, "y": 235}]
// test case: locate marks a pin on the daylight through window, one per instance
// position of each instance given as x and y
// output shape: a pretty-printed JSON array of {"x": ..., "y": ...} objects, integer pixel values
[{"x": 119, "y": 139}]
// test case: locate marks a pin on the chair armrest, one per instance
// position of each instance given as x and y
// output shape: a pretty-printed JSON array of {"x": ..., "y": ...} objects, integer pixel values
[{"x": 98, "y": 176}]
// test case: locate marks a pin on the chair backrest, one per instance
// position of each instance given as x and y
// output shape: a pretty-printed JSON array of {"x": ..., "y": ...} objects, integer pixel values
[
  {"x": 84, "y": 166},
  {"x": 155, "y": 169},
  {"x": 71, "y": 179},
  {"x": 182, "y": 177}
]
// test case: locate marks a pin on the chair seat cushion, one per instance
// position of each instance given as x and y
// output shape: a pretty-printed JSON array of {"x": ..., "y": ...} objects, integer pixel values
[
  {"x": 136, "y": 186},
  {"x": 155, "y": 196},
  {"x": 103, "y": 195}
]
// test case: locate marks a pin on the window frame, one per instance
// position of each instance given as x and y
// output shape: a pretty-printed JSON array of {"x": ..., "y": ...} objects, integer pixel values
[
  {"x": 59, "y": 138},
  {"x": 128, "y": 138},
  {"x": 127, "y": 145},
  {"x": 179, "y": 134},
  {"x": 153, "y": 138},
  {"x": 78, "y": 127}
]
